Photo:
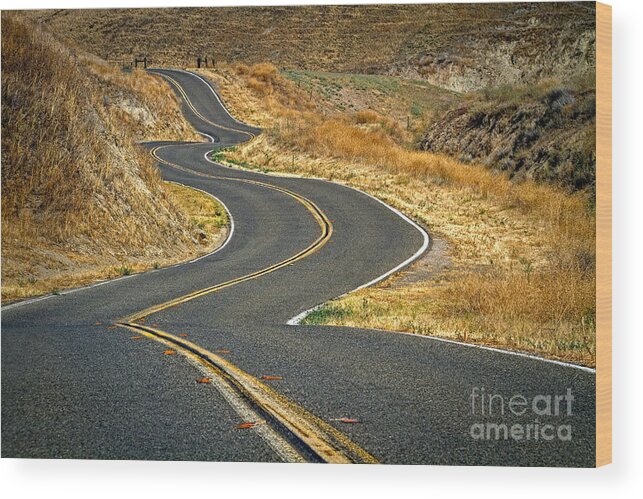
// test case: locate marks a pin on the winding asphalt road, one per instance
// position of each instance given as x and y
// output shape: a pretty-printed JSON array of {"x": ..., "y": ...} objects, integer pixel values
[{"x": 84, "y": 373}]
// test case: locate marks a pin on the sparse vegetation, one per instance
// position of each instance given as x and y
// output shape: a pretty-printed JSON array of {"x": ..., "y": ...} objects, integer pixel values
[
  {"x": 124, "y": 270},
  {"x": 522, "y": 254},
  {"x": 411, "y": 103},
  {"x": 458, "y": 46}
]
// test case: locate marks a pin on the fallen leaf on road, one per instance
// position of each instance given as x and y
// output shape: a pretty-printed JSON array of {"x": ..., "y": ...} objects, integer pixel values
[
  {"x": 222, "y": 350},
  {"x": 169, "y": 352},
  {"x": 346, "y": 420},
  {"x": 183, "y": 335},
  {"x": 155, "y": 325},
  {"x": 271, "y": 377},
  {"x": 204, "y": 380},
  {"x": 136, "y": 338},
  {"x": 98, "y": 323},
  {"x": 245, "y": 426}
]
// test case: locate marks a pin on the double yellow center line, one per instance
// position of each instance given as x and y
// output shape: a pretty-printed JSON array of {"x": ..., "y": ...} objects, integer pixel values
[
  {"x": 188, "y": 102},
  {"x": 320, "y": 217},
  {"x": 303, "y": 428}
]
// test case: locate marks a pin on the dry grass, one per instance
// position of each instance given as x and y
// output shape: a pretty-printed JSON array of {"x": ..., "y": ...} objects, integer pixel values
[
  {"x": 205, "y": 213},
  {"x": 523, "y": 254},
  {"x": 78, "y": 194},
  {"x": 139, "y": 102},
  {"x": 543, "y": 132},
  {"x": 208, "y": 223},
  {"x": 411, "y": 103},
  {"x": 460, "y": 46}
]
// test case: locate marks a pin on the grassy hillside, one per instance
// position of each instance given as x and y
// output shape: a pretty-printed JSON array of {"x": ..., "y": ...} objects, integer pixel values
[
  {"x": 461, "y": 47},
  {"x": 475, "y": 81},
  {"x": 512, "y": 264},
  {"x": 80, "y": 199},
  {"x": 412, "y": 103},
  {"x": 543, "y": 132}
]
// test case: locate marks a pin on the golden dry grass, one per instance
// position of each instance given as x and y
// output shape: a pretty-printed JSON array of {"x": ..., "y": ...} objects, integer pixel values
[
  {"x": 208, "y": 223},
  {"x": 205, "y": 213},
  {"x": 523, "y": 254},
  {"x": 79, "y": 196},
  {"x": 139, "y": 102},
  {"x": 456, "y": 45}
]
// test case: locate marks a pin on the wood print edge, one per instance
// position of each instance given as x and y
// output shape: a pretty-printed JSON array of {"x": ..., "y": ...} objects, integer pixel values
[{"x": 603, "y": 234}]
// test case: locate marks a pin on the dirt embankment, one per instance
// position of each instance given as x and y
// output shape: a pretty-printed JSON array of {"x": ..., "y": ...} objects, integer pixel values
[
  {"x": 543, "y": 132},
  {"x": 80, "y": 199}
]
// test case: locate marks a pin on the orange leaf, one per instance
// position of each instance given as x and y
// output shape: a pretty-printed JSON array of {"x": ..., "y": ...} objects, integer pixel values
[
  {"x": 271, "y": 377},
  {"x": 183, "y": 335},
  {"x": 222, "y": 350},
  {"x": 136, "y": 337},
  {"x": 204, "y": 380},
  {"x": 244, "y": 426},
  {"x": 98, "y": 323},
  {"x": 346, "y": 420},
  {"x": 169, "y": 352},
  {"x": 155, "y": 325}
]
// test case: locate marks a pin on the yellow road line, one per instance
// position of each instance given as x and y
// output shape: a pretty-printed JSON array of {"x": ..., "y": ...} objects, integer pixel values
[
  {"x": 326, "y": 442},
  {"x": 196, "y": 111},
  {"x": 324, "y": 223}
]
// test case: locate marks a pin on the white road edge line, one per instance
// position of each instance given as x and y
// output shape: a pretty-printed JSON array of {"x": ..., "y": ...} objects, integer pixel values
[
  {"x": 294, "y": 321},
  {"x": 500, "y": 350},
  {"x": 230, "y": 232},
  {"x": 299, "y": 317},
  {"x": 205, "y": 135},
  {"x": 216, "y": 96},
  {"x": 74, "y": 290}
]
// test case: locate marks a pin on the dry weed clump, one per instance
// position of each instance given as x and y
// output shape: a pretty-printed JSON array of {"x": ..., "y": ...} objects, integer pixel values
[
  {"x": 367, "y": 116},
  {"x": 279, "y": 94}
]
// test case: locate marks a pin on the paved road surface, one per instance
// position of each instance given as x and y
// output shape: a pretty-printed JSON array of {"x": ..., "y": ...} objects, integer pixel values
[{"x": 76, "y": 386}]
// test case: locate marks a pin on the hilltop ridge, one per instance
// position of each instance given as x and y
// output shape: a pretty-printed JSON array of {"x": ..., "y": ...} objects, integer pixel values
[{"x": 457, "y": 46}]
